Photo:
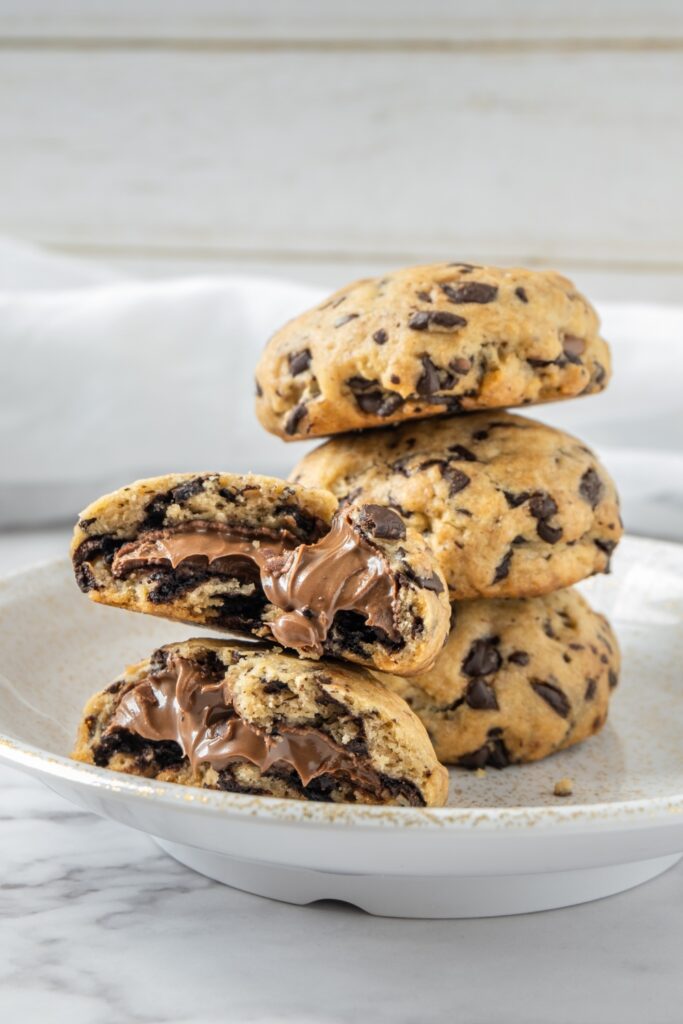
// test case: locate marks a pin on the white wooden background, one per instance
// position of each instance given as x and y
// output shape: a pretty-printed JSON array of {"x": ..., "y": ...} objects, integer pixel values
[{"x": 320, "y": 140}]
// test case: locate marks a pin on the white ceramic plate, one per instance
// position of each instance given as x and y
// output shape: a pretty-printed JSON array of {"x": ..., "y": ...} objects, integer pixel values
[{"x": 504, "y": 845}]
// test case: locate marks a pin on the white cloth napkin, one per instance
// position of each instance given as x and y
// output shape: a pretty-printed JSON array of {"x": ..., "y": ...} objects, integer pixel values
[{"x": 105, "y": 379}]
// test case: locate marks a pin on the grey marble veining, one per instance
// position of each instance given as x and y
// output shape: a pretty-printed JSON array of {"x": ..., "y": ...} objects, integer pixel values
[{"x": 98, "y": 927}]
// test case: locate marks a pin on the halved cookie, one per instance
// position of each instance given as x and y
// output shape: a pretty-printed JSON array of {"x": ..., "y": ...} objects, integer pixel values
[
  {"x": 510, "y": 507},
  {"x": 429, "y": 340},
  {"x": 516, "y": 681},
  {"x": 260, "y": 557},
  {"x": 246, "y": 718}
]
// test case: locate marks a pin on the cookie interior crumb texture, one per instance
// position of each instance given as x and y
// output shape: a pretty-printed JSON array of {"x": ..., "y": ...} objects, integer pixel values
[
  {"x": 272, "y": 560},
  {"x": 429, "y": 340},
  {"x": 248, "y": 718}
]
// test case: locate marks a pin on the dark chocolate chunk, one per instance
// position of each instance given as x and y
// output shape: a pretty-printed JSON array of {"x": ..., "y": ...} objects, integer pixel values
[
  {"x": 419, "y": 321},
  {"x": 493, "y": 753},
  {"x": 552, "y": 695},
  {"x": 85, "y": 523},
  {"x": 444, "y": 319},
  {"x": 550, "y": 534},
  {"x": 382, "y": 522},
  {"x": 259, "y": 389},
  {"x": 294, "y": 419},
  {"x": 183, "y": 492},
  {"x": 599, "y": 374},
  {"x": 480, "y": 435},
  {"x": 515, "y": 500},
  {"x": 590, "y": 487},
  {"x": 460, "y": 365},
  {"x": 428, "y": 382},
  {"x": 85, "y": 578},
  {"x": 481, "y": 696},
  {"x": 380, "y": 337},
  {"x": 503, "y": 567},
  {"x": 460, "y": 452},
  {"x": 542, "y": 507},
  {"x": 613, "y": 678},
  {"x": 591, "y": 687},
  {"x": 457, "y": 480},
  {"x": 521, "y": 295},
  {"x": 470, "y": 291},
  {"x": 424, "y": 296},
  {"x": 345, "y": 319},
  {"x": 299, "y": 361},
  {"x": 483, "y": 657},
  {"x": 519, "y": 658}
]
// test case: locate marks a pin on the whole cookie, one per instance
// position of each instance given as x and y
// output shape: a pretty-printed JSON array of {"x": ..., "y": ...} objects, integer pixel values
[
  {"x": 428, "y": 340},
  {"x": 510, "y": 507},
  {"x": 516, "y": 681},
  {"x": 256, "y": 556},
  {"x": 242, "y": 717}
]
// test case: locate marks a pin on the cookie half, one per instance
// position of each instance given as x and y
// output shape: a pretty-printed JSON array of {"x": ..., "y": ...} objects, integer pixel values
[
  {"x": 260, "y": 557},
  {"x": 249, "y": 719},
  {"x": 517, "y": 680},
  {"x": 510, "y": 507},
  {"x": 428, "y": 340}
]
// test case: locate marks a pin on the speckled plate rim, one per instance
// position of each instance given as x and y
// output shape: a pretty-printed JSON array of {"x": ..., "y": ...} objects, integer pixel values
[{"x": 626, "y": 814}]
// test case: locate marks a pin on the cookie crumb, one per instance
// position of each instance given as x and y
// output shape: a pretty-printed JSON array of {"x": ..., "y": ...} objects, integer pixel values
[
  {"x": 564, "y": 787},
  {"x": 480, "y": 773}
]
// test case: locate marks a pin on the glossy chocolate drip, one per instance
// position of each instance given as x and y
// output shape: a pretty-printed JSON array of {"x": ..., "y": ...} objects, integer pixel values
[
  {"x": 181, "y": 704},
  {"x": 309, "y": 583}
]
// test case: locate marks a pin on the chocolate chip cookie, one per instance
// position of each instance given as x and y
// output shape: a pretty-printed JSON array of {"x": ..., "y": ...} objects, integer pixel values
[
  {"x": 516, "y": 681},
  {"x": 250, "y": 719},
  {"x": 429, "y": 340},
  {"x": 264, "y": 558},
  {"x": 510, "y": 507}
]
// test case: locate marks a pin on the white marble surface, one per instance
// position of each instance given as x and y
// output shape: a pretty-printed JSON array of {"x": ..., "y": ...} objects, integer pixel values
[{"x": 98, "y": 927}]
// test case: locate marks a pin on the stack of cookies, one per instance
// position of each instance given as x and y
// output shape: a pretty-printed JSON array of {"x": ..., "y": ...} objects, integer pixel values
[{"x": 408, "y": 586}]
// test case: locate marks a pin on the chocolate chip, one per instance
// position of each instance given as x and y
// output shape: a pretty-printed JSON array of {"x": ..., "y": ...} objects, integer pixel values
[
  {"x": 444, "y": 319},
  {"x": 552, "y": 695},
  {"x": 382, "y": 522},
  {"x": 460, "y": 452},
  {"x": 470, "y": 291},
  {"x": 613, "y": 678},
  {"x": 480, "y": 435},
  {"x": 187, "y": 490},
  {"x": 345, "y": 319},
  {"x": 294, "y": 419},
  {"x": 519, "y": 658},
  {"x": 573, "y": 348},
  {"x": 391, "y": 402},
  {"x": 373, "y": 399},
  {"x": 85, "y": 578},
  {"x": 519, "y": 539},
  {"x": 542, "y": 507},
  {"x": 299, "y": 361},
  {"x": 548, "y": 630},
  {"x": 483, "y": 657},
  {"x": 591, "y": 687},
  {"x": 457, "y": 480},
  {"x": 424, "y": 296},
  {"x": 430, "y": 583},
  {"x": 515, "y": 500},
  {"x": 590, "y": 487},
  {"x": 460, "y": 365},
  {"x": 503, "y": 568},
  {"x": 481, "y": 696},
  {"x": 259, "y": 389},
  {"x": 418, "y": 321},
  {"x": 83, "y": 524},
  {"x": 422, "y": 319},
  {"x": 599, "y": 374},
  {"x": 493, "y": 753},
  {"x": 429, "y": 380},
  {"x": 607, "y": 546},
  {"x": 550, "y": 534},
  {"x": 380, "y": 337},
  {"x": 521, "y": 295}
]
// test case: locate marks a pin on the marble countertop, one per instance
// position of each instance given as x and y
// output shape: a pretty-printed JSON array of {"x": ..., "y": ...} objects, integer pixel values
[{"x": 97, "y": 926}]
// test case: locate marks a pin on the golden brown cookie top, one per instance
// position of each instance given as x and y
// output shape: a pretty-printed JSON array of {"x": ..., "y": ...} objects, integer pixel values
[{"x": 420, "y": 342}]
